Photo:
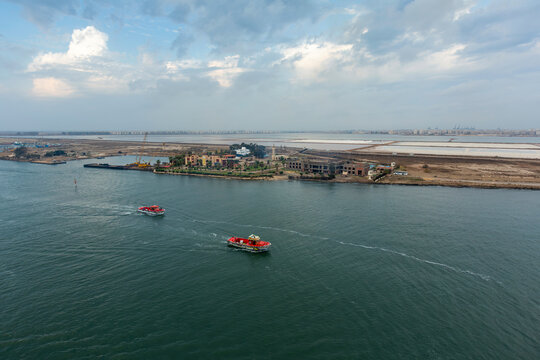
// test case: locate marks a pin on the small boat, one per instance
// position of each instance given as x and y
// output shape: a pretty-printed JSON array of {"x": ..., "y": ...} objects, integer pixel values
[
  {"x": 153, "y": 210},
  {"x": 253, "y": 243}
]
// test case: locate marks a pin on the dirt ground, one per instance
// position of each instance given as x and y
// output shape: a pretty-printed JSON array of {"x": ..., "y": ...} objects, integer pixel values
[
  {"x": 460, "y": 171},
  {"x": 77, "y": 149},
  {"x": 499, "y": 173}
]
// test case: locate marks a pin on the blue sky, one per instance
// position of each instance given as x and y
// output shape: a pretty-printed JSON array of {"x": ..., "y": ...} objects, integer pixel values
[{"x": 268, "y": 64}]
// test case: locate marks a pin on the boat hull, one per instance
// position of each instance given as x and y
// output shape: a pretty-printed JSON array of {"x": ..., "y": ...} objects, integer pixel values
[
  {"x": 232, "y": 242},
  {"x": 152, "y": 213}
]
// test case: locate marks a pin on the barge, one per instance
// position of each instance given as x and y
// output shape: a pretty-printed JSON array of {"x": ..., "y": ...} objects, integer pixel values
[{"x": 118, "y": 167}]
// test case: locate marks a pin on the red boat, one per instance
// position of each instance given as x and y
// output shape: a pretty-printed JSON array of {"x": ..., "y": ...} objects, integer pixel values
[
  {"x": 153, "y": 210},
  {"x": 253, "y": 243}
]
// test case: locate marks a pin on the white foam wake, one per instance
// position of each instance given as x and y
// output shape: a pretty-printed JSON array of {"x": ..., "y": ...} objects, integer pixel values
[
  {"x": 449, "y": 267},
  {"x": 260, "y": 227}
]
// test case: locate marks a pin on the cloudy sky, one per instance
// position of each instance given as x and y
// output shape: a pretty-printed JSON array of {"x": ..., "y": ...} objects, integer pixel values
[{"x": 269, "y": 64}]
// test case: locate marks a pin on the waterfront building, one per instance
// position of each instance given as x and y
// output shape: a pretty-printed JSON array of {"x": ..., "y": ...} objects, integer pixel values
[
  {"x": 328, "y": 167},
  {"x": 211, "y": 160},
  {"x": 353, "y": 168},
  {"x": 191, "y": 160},
  {"x": 294, "y": 164},
  {"x": 243, "y": 151},
  {"x": 312, "y": 166}
]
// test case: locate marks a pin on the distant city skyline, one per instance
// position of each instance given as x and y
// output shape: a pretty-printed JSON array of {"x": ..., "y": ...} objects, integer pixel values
[
  {"x": 268, "y": 65},
  {"x": 429, "y": 131}
]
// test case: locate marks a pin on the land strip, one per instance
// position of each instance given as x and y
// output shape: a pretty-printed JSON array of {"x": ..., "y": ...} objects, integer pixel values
[{"x": 441, "y": 170}]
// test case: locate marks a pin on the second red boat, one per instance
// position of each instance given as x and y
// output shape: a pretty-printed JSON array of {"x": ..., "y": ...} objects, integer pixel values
[{"x": 252, "y": 244}]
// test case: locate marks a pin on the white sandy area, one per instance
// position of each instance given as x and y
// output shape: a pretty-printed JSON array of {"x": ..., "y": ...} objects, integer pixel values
[
  {"x": 426, "y": 150},
  {"x": 324, "y": 141},
  {"x": 468, "y": 145}
]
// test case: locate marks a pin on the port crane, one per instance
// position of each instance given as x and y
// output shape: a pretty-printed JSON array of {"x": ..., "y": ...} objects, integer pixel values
[{"x": 138, "y": 160}]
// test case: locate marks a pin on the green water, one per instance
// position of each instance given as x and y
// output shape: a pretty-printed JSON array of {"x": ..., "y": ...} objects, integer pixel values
[{"x": 355, "y": 271}]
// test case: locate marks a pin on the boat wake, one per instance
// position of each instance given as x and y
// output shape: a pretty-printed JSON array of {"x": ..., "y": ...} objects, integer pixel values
[
  {"x": 261, "y": 227},
  {"x": 412, "y": 257},
  {"x": 95, "y": 210},
  {"x": 446, "y": 266}
]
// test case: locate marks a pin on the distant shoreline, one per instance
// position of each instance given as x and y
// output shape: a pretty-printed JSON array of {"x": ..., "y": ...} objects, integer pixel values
[{"x": 423, "y": 170}]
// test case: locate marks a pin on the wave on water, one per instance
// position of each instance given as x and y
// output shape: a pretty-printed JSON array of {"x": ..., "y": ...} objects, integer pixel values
[
  {"x": 449, "y": 267},
  {"x": 105, "y": 210},
  {"x": 261, "y": 227}
]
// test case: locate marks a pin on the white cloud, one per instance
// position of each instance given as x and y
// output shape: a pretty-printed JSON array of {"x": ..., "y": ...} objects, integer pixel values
[
  {"x": 446, "y": 59},
  {"x": 228, "y": 62},
  {"x": 462, "y": 12},
  {"x": 173, "y": 67},
  {"x": 225, "y": 77},
  {"x": 311, "y": 59},
  {"x": 428, "y": 64},
  {"x": 226, "y": 70},
  {"x": 85, "y": 44},
  {"x": 323, "y": 62},
  {"x": 413, "y": 37},
  {"x": 51, "y": 87},
  {"x": 94, "y": 69}
]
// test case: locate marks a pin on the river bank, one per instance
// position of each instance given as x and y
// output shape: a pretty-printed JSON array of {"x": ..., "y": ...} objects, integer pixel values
[{"x": 423, "y": 170}]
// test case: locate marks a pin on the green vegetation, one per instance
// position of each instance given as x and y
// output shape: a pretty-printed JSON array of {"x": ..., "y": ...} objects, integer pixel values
[
  {"x": 213, "y": 173},
  {"x": 55, "y": 153},
  {"x": 177, "y": 160},
  {"x": 20, "y": 152},
  {"x": 256, "y": 166}
]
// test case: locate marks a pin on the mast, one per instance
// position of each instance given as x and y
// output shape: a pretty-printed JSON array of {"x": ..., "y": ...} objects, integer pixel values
[{"x": 139, "y": 158}]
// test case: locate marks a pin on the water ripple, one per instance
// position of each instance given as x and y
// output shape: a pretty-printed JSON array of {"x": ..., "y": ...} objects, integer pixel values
[{"x": 453, "y": 268}]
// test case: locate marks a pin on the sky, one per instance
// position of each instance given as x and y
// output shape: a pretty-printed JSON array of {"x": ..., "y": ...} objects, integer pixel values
[{"x": 68, "y": 65}]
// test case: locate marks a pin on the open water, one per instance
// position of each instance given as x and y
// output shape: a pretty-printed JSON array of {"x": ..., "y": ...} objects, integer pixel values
[{"x": 355, "y": 271}]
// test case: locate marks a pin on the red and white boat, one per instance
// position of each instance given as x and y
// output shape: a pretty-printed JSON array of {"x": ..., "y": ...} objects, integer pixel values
[
  {"x": 253, "y": 243},
  {"x": 153, "y": 210}
]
